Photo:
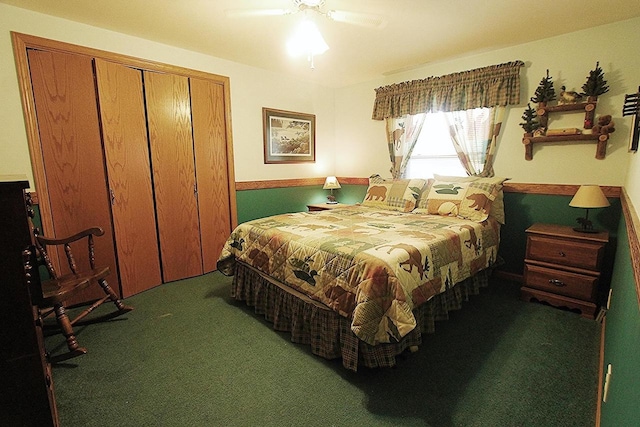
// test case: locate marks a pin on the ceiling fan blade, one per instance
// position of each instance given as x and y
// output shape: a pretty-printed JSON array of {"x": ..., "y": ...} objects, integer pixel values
[
  {"x": 239, "y": 13},
  {"x": 362, "y": 19}
]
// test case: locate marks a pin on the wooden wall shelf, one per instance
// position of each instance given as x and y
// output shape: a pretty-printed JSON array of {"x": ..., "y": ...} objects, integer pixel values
[
  {"x": 586, "y": 106},
  {"x": 601, "y": 139},
  {"x": 589, "y": 109},
  {"x": 563, "y": 138}
]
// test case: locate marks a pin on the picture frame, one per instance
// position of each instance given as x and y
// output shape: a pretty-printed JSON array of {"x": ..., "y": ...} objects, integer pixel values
[{"x": 289, "y": 137}]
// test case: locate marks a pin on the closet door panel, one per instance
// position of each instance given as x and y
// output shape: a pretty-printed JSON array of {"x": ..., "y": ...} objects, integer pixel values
[
  {"x": 210, "y": 145},
  {"x": 66, "y": 110},
  {"x": 172, "y": 163},
  {"x": 126, "y": 148}
]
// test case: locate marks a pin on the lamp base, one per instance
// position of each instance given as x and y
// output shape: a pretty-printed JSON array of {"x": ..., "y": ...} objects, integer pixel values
[
  {"x": 585, "y": 230},
  {"x": 586, "y": 226},
  {"x": 331, "y": 199},
  {"x": 332, "y": 203}
]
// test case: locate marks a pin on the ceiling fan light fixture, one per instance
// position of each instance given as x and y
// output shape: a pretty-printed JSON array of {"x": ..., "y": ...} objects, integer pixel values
[
  {"x": 307, "y": 40},
  {"x": 309, "y": 3}
]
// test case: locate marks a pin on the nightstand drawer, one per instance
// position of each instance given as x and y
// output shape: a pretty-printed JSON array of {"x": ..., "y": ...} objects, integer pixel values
[
  {"x": 569, "y": 253},
  {"x": 561, "y": 282}
]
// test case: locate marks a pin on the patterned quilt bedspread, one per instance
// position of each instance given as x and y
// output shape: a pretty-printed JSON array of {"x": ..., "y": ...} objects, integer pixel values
[{"x": 372, "y": 266}]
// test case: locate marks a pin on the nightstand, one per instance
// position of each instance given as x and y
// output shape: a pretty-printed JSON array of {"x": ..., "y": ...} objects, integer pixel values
[
  {"x": 563, "y": 267},
  {"x": 324, "y": 206}
]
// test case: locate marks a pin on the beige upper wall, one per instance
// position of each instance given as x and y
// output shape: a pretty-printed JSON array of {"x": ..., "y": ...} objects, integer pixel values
[
  {"x": 349, "y": 143},
  {"x": 569, "y": 59},
  {"x": 251, "y": 89}
]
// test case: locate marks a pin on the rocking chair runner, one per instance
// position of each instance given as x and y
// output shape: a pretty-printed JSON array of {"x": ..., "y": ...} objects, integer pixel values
[{"x": 59, "y": 288}]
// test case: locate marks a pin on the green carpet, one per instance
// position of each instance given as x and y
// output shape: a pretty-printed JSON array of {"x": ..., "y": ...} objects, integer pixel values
[{"x": 188, "y": 355}]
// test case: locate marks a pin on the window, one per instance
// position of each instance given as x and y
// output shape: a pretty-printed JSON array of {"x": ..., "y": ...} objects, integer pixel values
[{"x": 434, "y": 152}]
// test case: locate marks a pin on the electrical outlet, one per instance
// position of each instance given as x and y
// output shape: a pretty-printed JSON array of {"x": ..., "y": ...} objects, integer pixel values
[{"x": 607, "y": 379}]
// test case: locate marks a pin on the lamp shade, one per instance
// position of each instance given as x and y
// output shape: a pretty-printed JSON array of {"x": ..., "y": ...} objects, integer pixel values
[
  {"x": 589, "y": 196},
  {"x": 331, "y": 183}
]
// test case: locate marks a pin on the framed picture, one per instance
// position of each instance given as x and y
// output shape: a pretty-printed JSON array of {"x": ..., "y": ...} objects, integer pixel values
[{"x": 289, "y": 137}]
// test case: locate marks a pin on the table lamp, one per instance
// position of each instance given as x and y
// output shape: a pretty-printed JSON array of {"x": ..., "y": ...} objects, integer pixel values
[
  {"x": 329, "y": 184},
  {"x": 588, "y": 197}
]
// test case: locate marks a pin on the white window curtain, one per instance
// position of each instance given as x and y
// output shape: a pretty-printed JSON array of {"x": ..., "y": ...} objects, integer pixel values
[
  {"x": 474, "y": 135},
  {"x": 402, "y": 134}
]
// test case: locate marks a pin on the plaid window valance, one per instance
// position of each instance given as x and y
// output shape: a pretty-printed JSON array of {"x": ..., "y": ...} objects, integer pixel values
[{"x": 482, "y": 87}]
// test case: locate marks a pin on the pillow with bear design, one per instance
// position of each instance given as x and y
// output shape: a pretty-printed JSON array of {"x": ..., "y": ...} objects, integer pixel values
[
  {"x": 497, "y": 206},
  {"x": 465, "y": 199},
  {"x": 393, "y": 194}
]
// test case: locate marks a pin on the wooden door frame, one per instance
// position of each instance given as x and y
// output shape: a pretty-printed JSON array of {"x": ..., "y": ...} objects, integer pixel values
[{"x": 23, "y": 42}]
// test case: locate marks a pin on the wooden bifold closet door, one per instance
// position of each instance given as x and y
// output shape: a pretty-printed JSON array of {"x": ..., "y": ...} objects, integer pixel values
[
  {"x": 174, "y": 175},
  {"x": 210, "y": 147},
  {"x": 71, "y": 150},
  {"x": 126, "y": 149}
]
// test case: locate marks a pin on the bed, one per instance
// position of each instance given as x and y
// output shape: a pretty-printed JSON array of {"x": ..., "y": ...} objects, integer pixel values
[{"x": 364, "y": 282}]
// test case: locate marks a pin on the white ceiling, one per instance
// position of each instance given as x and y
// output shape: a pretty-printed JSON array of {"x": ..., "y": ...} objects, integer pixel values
[{"x": 417, "y": 31}]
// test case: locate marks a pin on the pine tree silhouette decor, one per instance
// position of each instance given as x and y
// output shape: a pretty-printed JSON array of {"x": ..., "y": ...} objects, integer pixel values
[
  {"x": 545, "y": 91},
  {"x": 595, "y": 85},
  {"x": 530, "y": 118}
]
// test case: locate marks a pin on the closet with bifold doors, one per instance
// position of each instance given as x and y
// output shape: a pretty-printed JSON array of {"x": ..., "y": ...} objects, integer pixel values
[{"x": 141, "y": 149}]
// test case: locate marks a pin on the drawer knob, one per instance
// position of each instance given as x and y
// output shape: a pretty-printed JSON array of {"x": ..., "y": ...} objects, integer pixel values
[
  {"x": 557, "y": 282},
  {"x": 561, "y": 254}
]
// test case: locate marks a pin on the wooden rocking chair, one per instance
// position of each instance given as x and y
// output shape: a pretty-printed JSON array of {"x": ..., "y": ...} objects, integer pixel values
[{"x": 54, "y": 292}]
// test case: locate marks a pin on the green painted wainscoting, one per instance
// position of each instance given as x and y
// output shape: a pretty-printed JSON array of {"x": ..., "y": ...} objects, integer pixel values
[
  {"x": 253, "y": 204},
  {"x": 622, "y": 342}
]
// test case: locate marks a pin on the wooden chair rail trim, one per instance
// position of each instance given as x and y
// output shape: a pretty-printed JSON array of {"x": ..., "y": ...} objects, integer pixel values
[
  {"x": 556, "y": 189},
  {"x": 509, "y": 187},
  {"x": 279, "y": 183},
  {"x": 300, "y": 182},
  {"x": 633, "y": 226}
]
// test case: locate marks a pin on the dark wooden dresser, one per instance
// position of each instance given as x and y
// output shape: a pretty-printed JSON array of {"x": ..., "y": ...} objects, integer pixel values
[
  {"x": 26, "y": 388},
  {"x": 563, "y": 267}
]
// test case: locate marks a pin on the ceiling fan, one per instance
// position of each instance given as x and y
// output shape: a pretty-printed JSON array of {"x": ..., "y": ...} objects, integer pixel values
[{"x": 361, "y": 19}]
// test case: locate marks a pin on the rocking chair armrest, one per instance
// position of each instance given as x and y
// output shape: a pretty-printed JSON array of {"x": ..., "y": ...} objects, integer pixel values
[{"x": 96, "y": 231}]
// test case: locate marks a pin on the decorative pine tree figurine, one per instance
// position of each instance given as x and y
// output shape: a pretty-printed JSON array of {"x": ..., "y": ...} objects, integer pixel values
[
  {"x": 545, "y": 91},
  {"x": 596, "y": 85},
  {"x": 530, "y": 118}
]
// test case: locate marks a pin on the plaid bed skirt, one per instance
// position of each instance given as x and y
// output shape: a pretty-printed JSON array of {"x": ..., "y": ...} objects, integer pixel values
[{"x": 328, "y": 333}]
